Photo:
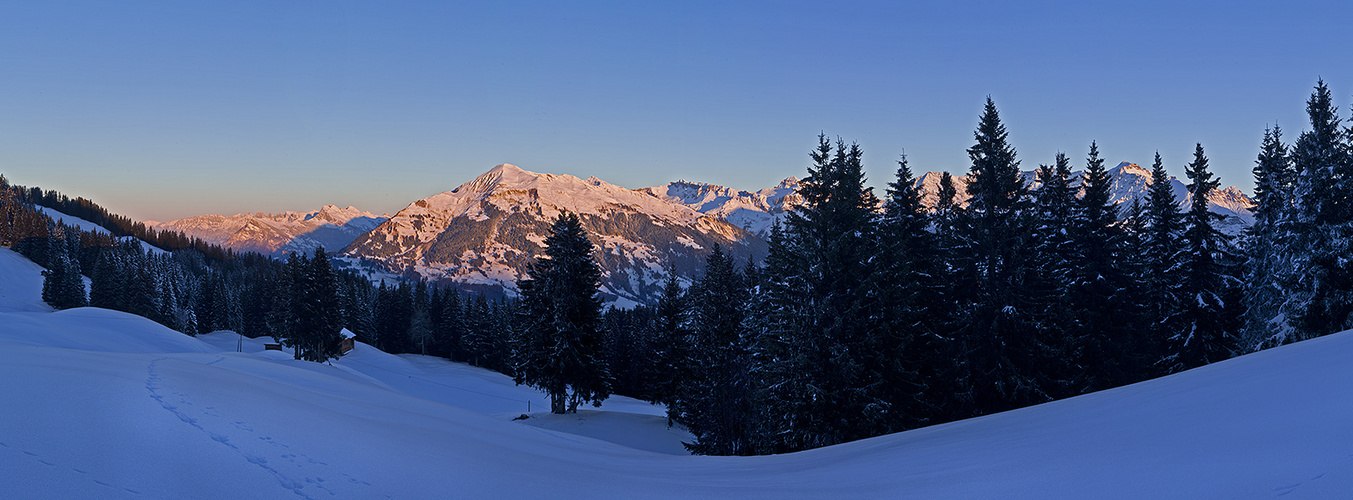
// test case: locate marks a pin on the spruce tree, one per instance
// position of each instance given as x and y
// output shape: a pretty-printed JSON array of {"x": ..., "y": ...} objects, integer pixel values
[
  {"x": 1266, "y": 245},
  {"x": 1100, "y": 289},
  {"x": 671, "y": 346},
  {"x": 717, "y": 400},
  {"x": 282, "y": 319},
  {"x": 905, "y": 271},
  {"x": 451, "y": 325},
  {"x": 784, "y": 354},
  {"x": 1319, "y": 276},
  {"x": 1161, "y": 249},
  {"x": 1210, "y": 300},
  {"x": 106, "y": 286},
  {"x": 317, "y": 310},
  {"x": 1139, "y": 358},
  {"x": 1057, "y": 257},
  {"x": 834, "y": 234},
  {"x": 420, "y": 325},
  {"x": 478, "y": 340},
  {"x": 62, "y": 286},
  {"x": 998, "y": 328},
  {"x": 562, "y": 346}
]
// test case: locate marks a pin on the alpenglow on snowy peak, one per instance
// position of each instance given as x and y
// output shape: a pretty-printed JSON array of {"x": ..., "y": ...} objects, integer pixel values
[
  {"x": 482, "y": 235},
  {"x": 754, "y": 211},
  {"x": 330, "y": 227}
]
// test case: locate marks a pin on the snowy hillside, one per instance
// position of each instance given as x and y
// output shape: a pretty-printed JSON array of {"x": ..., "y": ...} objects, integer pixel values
[
  {"x": 481, "y": 235},
  {"x": 88, "y": 226},
  {"x": 276, "y": 234},
  {"x": 1127, "y": 181},
  {"x": 100, "y": 404},
  {"x": 20, "y": 284}
]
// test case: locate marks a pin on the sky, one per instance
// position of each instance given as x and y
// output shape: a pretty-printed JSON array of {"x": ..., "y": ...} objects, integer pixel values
[{"x": 167, "y": 109}]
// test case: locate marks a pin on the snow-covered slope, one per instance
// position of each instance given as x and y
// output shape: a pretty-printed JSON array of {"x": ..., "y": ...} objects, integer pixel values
[
  {"x": 95, "y": 407},
  {"x": 481, "y": 235},
  {"x": 88, "y": 226},
  {"x": 1128, "y": 181},
  {"x": 20, "y": 283},
  {"x": 754, "y": 211},
  {"x": 276, "y": 234}
]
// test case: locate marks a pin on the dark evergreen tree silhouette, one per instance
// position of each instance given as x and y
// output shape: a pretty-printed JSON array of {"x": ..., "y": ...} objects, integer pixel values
[
  {"x": 1101, "y": 290},
  {"x": 562, "y": 346},
  {"x": 1319, "y": 274},
  {"x": 717, "y": 400},
  {"x": 999, "y": 330},
  {"x": 1268, "y": 245},
  {"x": 1210, "y": 305}
]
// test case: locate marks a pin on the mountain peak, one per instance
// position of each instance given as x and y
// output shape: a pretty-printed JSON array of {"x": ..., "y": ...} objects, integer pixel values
[
  {"x": 499, "y": 174},
  {"x": 1129, "y": 167}
]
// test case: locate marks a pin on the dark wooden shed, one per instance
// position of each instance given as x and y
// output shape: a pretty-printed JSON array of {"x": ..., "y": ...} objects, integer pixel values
[{"x": 348, "y": 341}]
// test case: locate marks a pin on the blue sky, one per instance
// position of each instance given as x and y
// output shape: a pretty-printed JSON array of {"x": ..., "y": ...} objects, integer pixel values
[{"x": 167, "y": 109}]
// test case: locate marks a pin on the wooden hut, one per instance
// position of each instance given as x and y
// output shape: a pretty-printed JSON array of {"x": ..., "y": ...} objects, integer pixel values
[{"x": 346, "y": 342}]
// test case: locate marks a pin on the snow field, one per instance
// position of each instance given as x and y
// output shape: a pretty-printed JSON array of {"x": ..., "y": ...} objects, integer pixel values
[{"x": 101, "y": 404}]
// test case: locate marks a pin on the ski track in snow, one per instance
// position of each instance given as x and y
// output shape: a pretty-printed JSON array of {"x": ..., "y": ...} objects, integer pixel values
[
  {"x": 40, "y": 459},
  {"x": 183, "y": 407},
  {"x": 1284, "y": 490}
]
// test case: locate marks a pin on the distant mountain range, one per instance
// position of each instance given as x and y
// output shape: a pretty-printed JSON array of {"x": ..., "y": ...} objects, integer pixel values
[
  {"x": 278, "y": 234},
  {"x": 482, "y": 235}
]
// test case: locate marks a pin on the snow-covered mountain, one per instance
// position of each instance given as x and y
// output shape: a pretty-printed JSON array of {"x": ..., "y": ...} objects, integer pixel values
[
  {"x": 276, "y": 234},
  {"x": 754, "y": 211},
  {"x": 482, "y": 235},
  {"x": 1129, "y": 181}
]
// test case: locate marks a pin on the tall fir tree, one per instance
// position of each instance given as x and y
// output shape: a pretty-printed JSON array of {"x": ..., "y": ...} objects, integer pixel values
[
  {"x": 717, "y": 399},
  {"x": 671, "y": 346},
  {"x": 562, "y": 347},
  {"x": 1267, "y": 244},
  {"x": 1318, "y": 275},
  {"x": 1161, "y": 248},
  {"x": 450, "y": 324},
  {"x": 282, "y": 318},
  {"x": 477, "y": 341},
  {"x": 783, "y": 353},
  {"x": 1210, "y": 292},
  {"x": 1057, "y": 257},
  {"x": 106, "y": 283},
  {"x": 834, "y": 233},
  {"x": 420, "y": 325},
  {"x": 62, "y": 286},
  {"x": 1102, "y": 293},
  {"x": 905, "y": 272},
  {"x": 999, "y": 328},
  {"x": 317, "y": 313}
]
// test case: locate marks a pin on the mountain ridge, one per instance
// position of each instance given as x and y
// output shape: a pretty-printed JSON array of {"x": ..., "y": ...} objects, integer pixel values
[
  {"x": 276, "y": 234},
  {"x": 483, "y": 234}
]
